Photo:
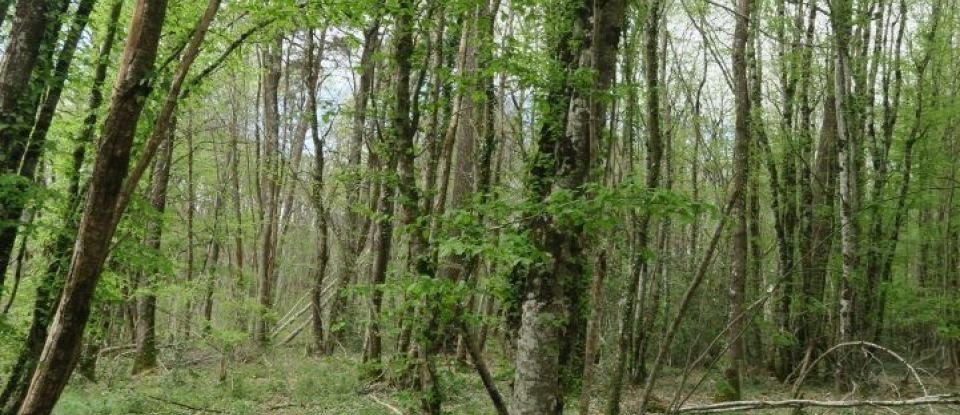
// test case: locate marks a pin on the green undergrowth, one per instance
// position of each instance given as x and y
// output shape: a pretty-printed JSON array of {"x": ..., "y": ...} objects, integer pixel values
[{"x": 284, "y": 381}]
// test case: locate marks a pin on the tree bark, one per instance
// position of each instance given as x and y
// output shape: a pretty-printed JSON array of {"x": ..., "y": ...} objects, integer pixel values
[
  {"x": 322, "y": 250},
  {"x": 60, "y": 248},
  {"x": 642, "y": 224},
  {"x": 145, "y": 356},
  {"x": 593, "y": 332},
  {"x": 382, "y": 244},
  {"x": 270, "y": 187},
  {"x": 841, "y": 21},
  {"x": 818, "y": 186},
  {"x": 741, "y": 171},
  {"x": 27, "y": 52},
  {"x": 563, "y": 163},
  {"x": 97, "y": 225}
]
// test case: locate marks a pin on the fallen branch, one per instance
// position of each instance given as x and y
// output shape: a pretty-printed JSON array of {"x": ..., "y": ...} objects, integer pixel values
[
  {"x": 279, "y": 329},
  {"x": 183, "y": 405},
  {"x": 121, "y": 349},
  {"x": 803, "y": 374},
  {"x": 296, "y": 332},
  {"x": 284, "y": 405},
  {"x": 950, "y": 399},
  {"x": 391, "y": 407},
  {"x": 290, "y": 312}
]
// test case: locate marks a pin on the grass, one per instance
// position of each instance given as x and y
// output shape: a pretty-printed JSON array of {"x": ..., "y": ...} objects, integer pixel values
[
  {"x": 282, "y": 382},
  {"x": 287, "y": 382}
]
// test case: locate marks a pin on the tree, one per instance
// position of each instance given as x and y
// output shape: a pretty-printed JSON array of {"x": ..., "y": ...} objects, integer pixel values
[
  {"x": 323, "y": 254},
  {"x": 60, "y": 248},
  {"x": 146, "y": 339},
  {"x": 97, "y": 225},
  {"x": 550, "y": 292},
  {"x": 654, "y": 169},
  {"x": 741, "y": 170},
  {"x": 29, "y": 47},
  {"x": 271, "y": 187}
]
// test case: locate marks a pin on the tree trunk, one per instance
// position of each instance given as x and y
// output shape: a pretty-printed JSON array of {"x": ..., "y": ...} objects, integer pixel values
[
  {"x": 818, "y": 189},
  {"x": 60, "y": 248},
  {"x": 322, "y": 255},
  {"x": 593, "y": 332},
  {"x": 270, "y": 185},
  {"x": 741, "y": 170},
  {"x": 235, "y": 199},
  {"x": 145, "y": 357},
  {"x": 97, "y": 225},
  {"x": 210, "y": 262},
  {"x": 27, "y": 52},
  {"x": 187, "y": 317},
  {"x": 354, "y": 240},
  {"x": 840, "y": 19},
  {"x": 563, "y": 162},
  {"x": 654, "y": 159},
  {"x": 382, "y": 244}
]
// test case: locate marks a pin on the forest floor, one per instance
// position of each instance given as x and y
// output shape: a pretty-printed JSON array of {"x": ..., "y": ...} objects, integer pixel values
[{"x": 286, "y": 382}]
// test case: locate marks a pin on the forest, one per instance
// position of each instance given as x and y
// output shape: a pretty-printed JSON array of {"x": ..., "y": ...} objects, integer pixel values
[{"x": 512, "y": 207}]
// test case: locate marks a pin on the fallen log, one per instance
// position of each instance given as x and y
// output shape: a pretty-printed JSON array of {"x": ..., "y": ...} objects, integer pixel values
[
  {"x": 296, "y": 332},
  {"x": 949, "y": 399}
]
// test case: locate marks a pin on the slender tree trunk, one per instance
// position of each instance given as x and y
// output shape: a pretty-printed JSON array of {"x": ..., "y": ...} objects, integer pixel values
[
  {"x": 382, "y": 244},
  {"x": 741, "y": 171},
  {"x": 654, "y": 159},
  {"x": 235, "y": 199},
  {"x": 187, "y": 316},
  {"x": 145, "y": 357},
  {"x": 60, "y": 250},
  {"x": 841, "y": 18},
  {"x": 818, "y": 189},
  {"x": 593, "y": 332},
  {"x": 322, "y": 255},
  {"x": 211, "y": 261},
  {"x": 23, "y": 75},
  {"x": 271, "y": 185}
]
